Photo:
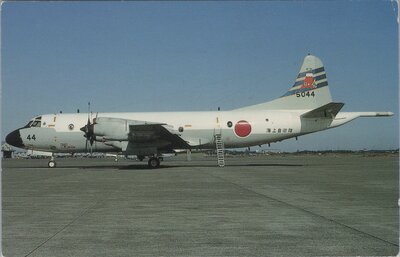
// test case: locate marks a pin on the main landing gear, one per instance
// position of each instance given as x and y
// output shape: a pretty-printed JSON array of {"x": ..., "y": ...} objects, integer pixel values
[
  {"x": 52, "y": 163},
  {"x": 154, "y": 162}
]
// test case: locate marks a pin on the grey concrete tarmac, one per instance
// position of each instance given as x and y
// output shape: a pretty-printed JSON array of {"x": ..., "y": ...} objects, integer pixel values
[{"x": 335, "y": 205}]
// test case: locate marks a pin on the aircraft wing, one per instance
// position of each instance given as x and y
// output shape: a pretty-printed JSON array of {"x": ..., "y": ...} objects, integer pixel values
[
  {"x": 147, "y": 133},
  {"x": 138, "y": 134}
]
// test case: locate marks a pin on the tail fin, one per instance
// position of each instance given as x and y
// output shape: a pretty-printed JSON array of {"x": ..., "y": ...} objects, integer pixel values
[{"x": 309, "y": 91}]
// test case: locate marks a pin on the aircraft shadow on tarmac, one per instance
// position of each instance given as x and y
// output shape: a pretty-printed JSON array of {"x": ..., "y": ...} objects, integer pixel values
[
  {"x": 144, "y": 166},
  {"x": 166, "y": 166}
]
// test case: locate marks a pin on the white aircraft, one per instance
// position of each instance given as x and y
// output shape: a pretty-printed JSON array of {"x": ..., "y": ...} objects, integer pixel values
[{"x": 306, "y": 108}]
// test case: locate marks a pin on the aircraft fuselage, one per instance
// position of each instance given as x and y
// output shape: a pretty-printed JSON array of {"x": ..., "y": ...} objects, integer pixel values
[{"x": 61, "y": 132}]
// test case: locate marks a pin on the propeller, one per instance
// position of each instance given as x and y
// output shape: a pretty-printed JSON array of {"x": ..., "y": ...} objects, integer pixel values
[{"x": 88, "y": 129}]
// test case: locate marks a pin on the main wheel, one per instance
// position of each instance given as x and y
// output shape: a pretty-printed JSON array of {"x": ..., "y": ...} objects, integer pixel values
[
  {"x": 51, "y": 164},
  {"x": 154, "y": 162}
]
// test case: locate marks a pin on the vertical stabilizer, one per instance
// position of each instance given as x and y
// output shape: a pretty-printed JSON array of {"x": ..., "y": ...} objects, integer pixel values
[{"x": 310, "y": 89}]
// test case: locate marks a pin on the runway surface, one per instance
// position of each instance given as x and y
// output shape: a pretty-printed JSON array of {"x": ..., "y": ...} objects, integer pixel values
[{"x": 255, "y": 206}]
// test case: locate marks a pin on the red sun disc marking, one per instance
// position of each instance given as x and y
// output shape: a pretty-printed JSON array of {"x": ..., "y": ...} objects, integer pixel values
[{"x": 242, "y": 128}]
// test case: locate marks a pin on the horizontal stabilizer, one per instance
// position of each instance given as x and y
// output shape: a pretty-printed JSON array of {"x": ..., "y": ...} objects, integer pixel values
[
  {"x": 344, "y": 117},
  {"x": 326, "y": 111},
  {"x": 375, "y": 114}
]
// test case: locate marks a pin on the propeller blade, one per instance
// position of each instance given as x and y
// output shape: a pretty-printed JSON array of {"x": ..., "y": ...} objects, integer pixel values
[{"x": 88, "y": 129}]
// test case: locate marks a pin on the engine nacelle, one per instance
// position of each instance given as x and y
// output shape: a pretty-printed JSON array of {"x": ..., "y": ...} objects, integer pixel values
[{"x": 111, "y": 129}]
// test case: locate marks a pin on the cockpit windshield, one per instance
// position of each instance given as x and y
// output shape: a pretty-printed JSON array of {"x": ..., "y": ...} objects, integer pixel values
[{"x": 36, "y": 122}]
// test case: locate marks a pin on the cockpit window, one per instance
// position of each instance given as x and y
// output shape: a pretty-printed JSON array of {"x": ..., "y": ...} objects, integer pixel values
[
  {"x": 36, "y": 122},
  {"x": 29, "y": 124}
]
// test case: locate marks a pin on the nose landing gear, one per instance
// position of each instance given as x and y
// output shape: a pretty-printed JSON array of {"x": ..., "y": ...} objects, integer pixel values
[{"x": 52, "y": 163}]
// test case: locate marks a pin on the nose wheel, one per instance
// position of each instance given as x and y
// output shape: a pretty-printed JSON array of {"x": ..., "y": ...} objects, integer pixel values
[
  {"x": 52, "y": 163},
  {"x": 154, "y": 162}
]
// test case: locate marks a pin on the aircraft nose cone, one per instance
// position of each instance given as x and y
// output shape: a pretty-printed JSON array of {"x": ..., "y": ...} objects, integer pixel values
[{"x": 14, "y": 139}]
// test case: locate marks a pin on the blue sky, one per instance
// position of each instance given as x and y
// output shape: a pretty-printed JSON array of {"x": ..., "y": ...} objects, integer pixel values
[{"x": 194, "y": 56}]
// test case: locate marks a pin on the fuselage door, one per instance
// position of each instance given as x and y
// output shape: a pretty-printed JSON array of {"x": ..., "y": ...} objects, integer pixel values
[{"x": 217, "y": 126}]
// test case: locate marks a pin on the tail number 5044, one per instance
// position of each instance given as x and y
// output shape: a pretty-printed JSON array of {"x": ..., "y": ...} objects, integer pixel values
[{"x": 305, "y": 94}]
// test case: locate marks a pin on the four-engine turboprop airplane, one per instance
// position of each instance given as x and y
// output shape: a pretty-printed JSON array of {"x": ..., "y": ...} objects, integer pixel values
[{"x": 306, "y": 108}]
